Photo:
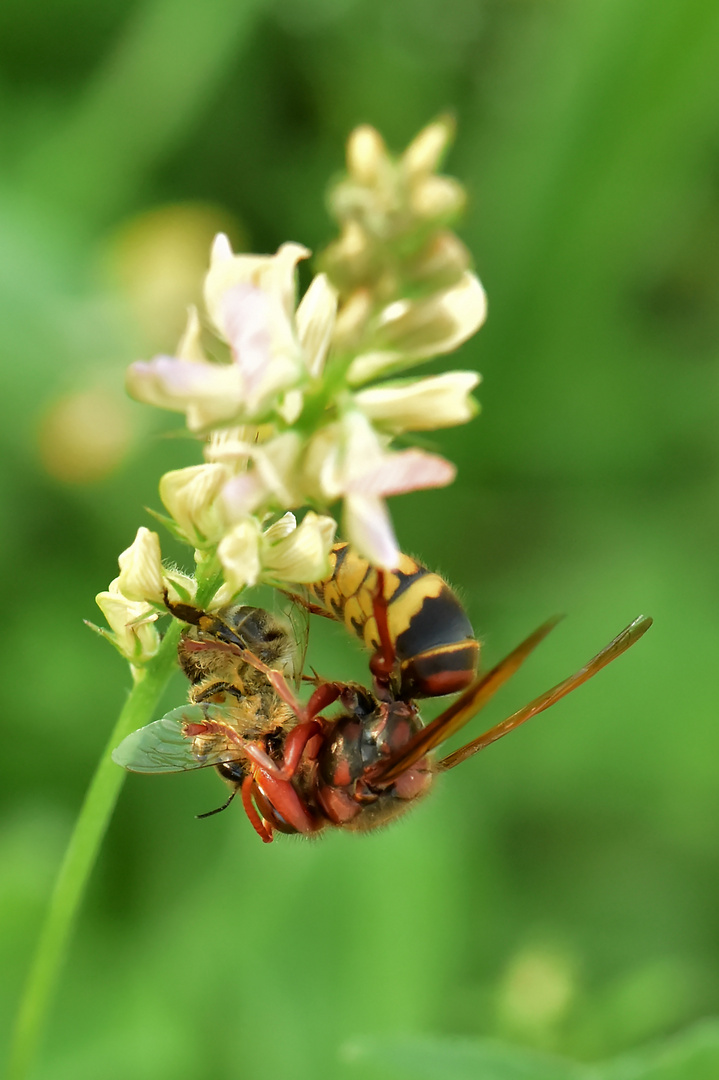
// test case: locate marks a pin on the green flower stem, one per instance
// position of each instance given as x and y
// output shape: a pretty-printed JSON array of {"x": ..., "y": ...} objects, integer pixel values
[{"x": 80, "y": 858}]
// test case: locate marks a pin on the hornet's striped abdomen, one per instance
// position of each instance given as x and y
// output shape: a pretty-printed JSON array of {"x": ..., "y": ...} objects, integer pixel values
[{"x": 433, "y": 639}]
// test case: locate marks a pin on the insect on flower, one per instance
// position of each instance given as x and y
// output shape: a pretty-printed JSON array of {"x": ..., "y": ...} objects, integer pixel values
[{"x": 299, "y": 771}]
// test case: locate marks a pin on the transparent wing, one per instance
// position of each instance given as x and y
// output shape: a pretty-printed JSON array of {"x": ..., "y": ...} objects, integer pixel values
[
  {"x": 163, "y": 746},
  {"x": 299, "y": 620}
]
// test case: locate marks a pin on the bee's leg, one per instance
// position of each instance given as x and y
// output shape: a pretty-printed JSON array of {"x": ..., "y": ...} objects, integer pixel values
[
  {"x": 184, "y": 612},
  {"x": 382, "y": 662},
  {"x": 314, "y": 609},
  {"x": 261, "y": 827},
  {"x": 216, "y": 688}
]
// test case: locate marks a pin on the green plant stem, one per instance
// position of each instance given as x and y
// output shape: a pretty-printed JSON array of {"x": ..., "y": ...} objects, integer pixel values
[{"x": 80, "y": 857}]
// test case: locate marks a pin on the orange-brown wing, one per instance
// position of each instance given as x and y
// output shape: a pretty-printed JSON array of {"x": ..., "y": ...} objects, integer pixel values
[
  {"x": 463, "y": 709},
  {"x": 610, "y": 652}
]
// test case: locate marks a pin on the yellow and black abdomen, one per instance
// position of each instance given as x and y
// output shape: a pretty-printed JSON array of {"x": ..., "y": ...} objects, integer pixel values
[{"x": 433, "y": 639}]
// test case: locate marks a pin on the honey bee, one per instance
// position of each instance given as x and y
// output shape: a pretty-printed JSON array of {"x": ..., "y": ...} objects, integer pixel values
[{"x": 299, "y": 771}]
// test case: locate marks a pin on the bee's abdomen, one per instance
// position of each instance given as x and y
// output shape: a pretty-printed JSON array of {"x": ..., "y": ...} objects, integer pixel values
[{"x": 432, "y": 637}]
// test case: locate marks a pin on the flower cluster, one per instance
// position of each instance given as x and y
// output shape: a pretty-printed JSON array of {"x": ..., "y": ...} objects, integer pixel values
[{"x": 293, "y": 401}]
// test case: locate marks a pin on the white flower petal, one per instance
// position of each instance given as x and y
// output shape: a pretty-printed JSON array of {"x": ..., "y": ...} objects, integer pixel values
[
  {"x": 406, "y": 470},
  {"x": 190, "y": 346},
  {"x": 424, "y": 329},
  {"x": 277, "y": 463},
  {"x": 281, "y": 529},
  {"x": 239, "y": 554},
  {"x": 302, "y": 555},
  {"x": 207, "y": 393},
  {"x": 339, "y": 452},
  {"x": 274, "y": 274},
  {"x": 131, "y": 623},
  {"x": 367, "y": 526},
  {"x": 221, "y": 249},
  {"x": 141, "y": 577},
  {"x": 315, "y": 320},
  {"x": 242, "y": 495},
  {"x": 191, "y": 496},
  {"x": 422, "y": 404}
]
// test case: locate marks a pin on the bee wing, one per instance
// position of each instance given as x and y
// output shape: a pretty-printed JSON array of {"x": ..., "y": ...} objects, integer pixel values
[
  {"x": 163, "y": 746},
  {"x": 299, "y": 620},
  {"x": 476, "y": 697}
]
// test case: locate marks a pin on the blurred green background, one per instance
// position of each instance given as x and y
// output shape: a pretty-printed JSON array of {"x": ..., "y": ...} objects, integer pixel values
[{"x": 559, "y": 893}]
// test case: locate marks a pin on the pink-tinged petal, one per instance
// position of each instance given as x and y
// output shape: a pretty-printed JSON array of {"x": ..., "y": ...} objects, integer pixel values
[
  {"x": 211, "y": 391},
  {"x": 368, "y": 527},
  {"x": 407, "y": 470},
  {"x": 246, "y": 319},
  {"x": 274, "y": 274},
  {"x": 278, "y": 277},
  {"x": 243, "y": 494}
]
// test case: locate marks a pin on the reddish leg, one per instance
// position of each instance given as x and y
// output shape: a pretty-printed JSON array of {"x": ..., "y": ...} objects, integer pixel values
[
  {"x": 382, "y": 662},
  {"x": 296, "y": 744},
  {"x": 285, "y": 802},
  {"x": 261, "y": 827}
]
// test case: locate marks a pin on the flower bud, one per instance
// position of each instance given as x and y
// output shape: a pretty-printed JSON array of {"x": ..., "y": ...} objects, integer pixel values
[
  {"x": 132, "y": 627},
  {"x": 366, "y": 155},
  {"x": 437, "y": 198},
  {"x": 141, "y": 576},
  {"x": 191, "y": 497},
  {"x": 424, "y": 154},
  {"x": 440, "y": 265}
]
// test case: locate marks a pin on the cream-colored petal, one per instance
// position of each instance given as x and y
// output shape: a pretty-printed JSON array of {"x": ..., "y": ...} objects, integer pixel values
[
  {"x": 141, "y": 577},
  {"x": 274, "y": 274},
  {"x": 302, "y": 555},
  {"x": 281, "y": 529},
  {"x": 278, "y": 277},
  {"x": 190, "y": 346},
  {"x": 242, "y": 495},
  {"x": 206, "y": 393},
  {"x": 192, "y": 497},
  {"x": 315, "y": 322},
  {"x": 421, "y": 404},
  {"x": 239, "y": 554},
  {"x": 131, "y": 623},
  {"x": 424, "y": 329}
]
